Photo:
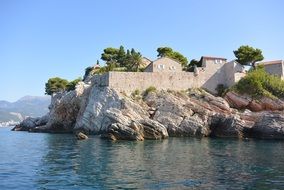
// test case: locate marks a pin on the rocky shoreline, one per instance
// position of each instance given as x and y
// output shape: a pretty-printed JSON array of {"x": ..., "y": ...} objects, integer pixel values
[{"x": 157, "y": 115}]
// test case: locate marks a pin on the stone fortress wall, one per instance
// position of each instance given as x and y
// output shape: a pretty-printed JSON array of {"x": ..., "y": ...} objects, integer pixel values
[{"x": 208, "y": 77}]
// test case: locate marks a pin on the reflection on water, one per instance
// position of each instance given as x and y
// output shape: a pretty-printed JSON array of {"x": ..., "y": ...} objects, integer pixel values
[{"x": 56, "y": 161}]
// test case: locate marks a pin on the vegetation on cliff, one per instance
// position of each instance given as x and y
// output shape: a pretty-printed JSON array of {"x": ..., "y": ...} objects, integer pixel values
[
  {"x": 258, "y": 83},
  {"x": 58, "y": 84}
]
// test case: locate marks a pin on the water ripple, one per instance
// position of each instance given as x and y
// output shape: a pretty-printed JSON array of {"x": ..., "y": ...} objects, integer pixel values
[{"x": 57, "y": 161}]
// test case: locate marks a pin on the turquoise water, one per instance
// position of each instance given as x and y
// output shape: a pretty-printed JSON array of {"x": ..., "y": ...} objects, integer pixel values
[{"x": 58, "y": 161}]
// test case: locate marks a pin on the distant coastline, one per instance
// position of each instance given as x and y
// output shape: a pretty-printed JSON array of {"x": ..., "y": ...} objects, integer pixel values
[{"x": 9, "y": 123}]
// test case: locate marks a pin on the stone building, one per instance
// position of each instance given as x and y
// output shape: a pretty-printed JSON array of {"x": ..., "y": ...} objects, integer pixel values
[
  {"x": 164, "y": 64},
  {"x": 166, "y": 74},
  {"x": 207, "y": 61},
  {"x": 274, "y": 67}
]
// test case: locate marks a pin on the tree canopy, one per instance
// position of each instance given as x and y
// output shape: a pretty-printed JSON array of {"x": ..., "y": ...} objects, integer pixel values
[
  {"x": 72, "y": 84},
  {"x": 57, "y": 84},
  {"x": 192, "y": 64},
  {"x": 133, "y": 60},
  {"x": 117, "y": 57},
  {"x": 169, "y": 52},
  {"x": 247, "y": 55}
]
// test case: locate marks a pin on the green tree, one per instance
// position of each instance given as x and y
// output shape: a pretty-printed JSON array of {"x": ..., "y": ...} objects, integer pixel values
[
  {"x": 55, "y": 85},
  {"x": 121, "y": 56},
  {"x": 110, "y": 56},
  {"x": 247, "y": 55},
  {"x": 88, "y": 71},
  {"x": 133, "y": 60},
  {"x": 192, "y": 63},
  {"x": 71, "y": 85},
  {"x": 168, "y": 52},
  {"x": 164, "y": 51}
]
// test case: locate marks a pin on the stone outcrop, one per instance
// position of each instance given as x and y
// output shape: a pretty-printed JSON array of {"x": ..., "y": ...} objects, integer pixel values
[
  {"x": 65, "y": 107},
  {"x": 32, "y": 124},
  {"x": 194, "y": 113},
  {"x": 81, "y": 136},
  {"x": 239, "y": 101},
  {"x": 270, "y": 126}
]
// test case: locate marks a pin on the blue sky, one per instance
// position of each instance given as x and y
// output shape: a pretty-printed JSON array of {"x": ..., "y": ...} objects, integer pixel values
[{"x": 40, "y": 39}]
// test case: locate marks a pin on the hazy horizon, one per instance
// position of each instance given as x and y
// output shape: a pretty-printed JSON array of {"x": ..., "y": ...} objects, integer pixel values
[{"x": 44, "y": 39}]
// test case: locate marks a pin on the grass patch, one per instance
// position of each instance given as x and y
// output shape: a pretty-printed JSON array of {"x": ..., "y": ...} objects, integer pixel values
[
  {"x": 136, "y": 93},
  {"x": 150, "y": 89}
]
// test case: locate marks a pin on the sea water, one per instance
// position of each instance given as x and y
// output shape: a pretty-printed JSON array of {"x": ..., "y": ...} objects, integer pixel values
[{"x": 59, "y": 161}]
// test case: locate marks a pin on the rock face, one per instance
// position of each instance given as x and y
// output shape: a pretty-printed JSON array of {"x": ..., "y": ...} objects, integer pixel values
[
  {"x": 194, "y": 113},
  {"x": 270, "y": 126},
  {"x": 32, "y": 124},
  {"x": 81, "y": 136},
  {"x": 246, "y": 102},
  {"x": 64, "y": 109},
  {"x": 117, "y": 117}
]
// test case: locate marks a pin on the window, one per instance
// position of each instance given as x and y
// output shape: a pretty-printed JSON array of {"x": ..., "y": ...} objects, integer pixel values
[
  {"x": 172, "y": 68},
  {"x": 161, "y": 66},
  {"x": 218, "y": 61}
]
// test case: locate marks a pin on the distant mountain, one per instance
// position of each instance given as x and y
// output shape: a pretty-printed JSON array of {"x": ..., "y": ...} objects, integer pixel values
[{"x": 33, "y": 106}]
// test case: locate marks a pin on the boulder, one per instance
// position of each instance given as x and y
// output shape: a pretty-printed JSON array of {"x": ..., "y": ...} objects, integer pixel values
[
  {"x": 190, "y": 126},
  {"x": 227, "y": 126},
  {"x": 270, "y": 126},
  {"x": 244, "y": 101},
  {"x": 153, "y": 129},
  {"x": 27, "y": 125},
  {"x": 235, "y": 100},
  {"x": 81, "y": 136}
]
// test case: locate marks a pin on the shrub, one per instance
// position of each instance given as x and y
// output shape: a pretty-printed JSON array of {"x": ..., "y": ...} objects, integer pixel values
[
  {"x": 221, "y": 89},
  {"x": 88, "y": 71},
  {"x": 55, "y": 85},
  {"x": 258, "y": 83},
  {"x": 136, "y": 92},
  {"x": 150, "y": 89},
  {"x": 71, "y": 85}
]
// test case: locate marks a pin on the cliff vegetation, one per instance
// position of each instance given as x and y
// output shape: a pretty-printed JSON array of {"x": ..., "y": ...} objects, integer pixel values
[{"x": 258, "y": 83}]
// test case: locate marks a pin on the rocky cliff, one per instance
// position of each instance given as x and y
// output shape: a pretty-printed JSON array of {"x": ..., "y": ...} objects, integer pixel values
[
  {"x": 157, "y": 115},
  {"x": 244, "y": 101}
]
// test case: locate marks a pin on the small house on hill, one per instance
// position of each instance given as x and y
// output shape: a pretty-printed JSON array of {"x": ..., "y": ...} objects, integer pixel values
[
  {"x": 206, "y": 60},
  {"x": 274, "y": 67},
  {"x": 164, "y": 64}
]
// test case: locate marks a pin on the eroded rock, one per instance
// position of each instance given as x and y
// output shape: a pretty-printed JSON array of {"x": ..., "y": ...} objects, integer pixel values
[{"x": 194, "y": 113}]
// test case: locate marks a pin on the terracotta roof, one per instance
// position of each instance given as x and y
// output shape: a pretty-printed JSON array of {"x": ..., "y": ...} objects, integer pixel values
[
  {"x": 210, "y": 57},
  {"x": 270, "y": 62}
]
